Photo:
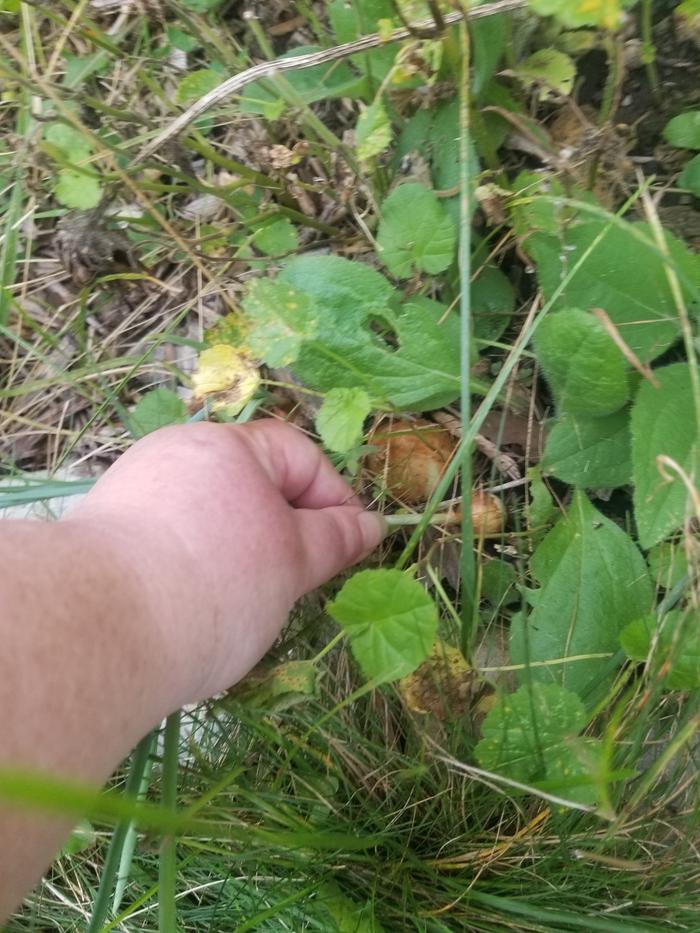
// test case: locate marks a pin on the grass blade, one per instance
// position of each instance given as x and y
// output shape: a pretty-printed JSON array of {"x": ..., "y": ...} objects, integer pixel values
[{"x": 167, "y": 868}]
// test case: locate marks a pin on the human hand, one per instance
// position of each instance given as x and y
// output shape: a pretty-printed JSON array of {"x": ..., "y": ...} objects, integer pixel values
[{"x": 226, "y": 526}]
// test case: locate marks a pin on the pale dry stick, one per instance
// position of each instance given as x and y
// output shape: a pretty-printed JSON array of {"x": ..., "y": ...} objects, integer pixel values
[
  {"x": 267, "y": 69},
  {"x": 642, "y": 368}
]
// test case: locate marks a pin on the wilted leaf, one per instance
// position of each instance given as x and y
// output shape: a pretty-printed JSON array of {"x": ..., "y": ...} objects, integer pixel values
[
  {"x": 281, "y": 318},
  {"x": 157, "y": 409},
  {"x": 340, "y": 418},
  {"x": 531, "y": 736},
  {"x": 590, "y": 452},
  {"x": 373, "y": 131},
  {"x": 664, "y": 424},
  {"x": 415, "y": 232},
  {"x": 594, "y": 581},
  {"x": 586, "y": 370},
  {"x": 444, "y": 685},
  {"x": 227, "y": 376},
  {"x": 575, "y": 13},
  {"x": 677, "y": 649},
  {"x": 276, "y": 688},
  {"x": 390, "y": 620}
]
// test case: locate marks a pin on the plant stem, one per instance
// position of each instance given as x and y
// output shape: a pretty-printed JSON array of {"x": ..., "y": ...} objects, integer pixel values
[
  {"x": 100, "y": 905},
  {"x": 649, "y": 50},
  {"x": 402, "y": 521},
  {"x": 167, "y": 866},
  {"x": 468, "y": 567}
]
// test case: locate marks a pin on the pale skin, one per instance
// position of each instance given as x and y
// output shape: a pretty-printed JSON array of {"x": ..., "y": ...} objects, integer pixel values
[{"x": 163, "y": 587}]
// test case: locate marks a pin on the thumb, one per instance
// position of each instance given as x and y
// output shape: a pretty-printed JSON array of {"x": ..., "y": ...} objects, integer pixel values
[{"x": 335, "y": 538}]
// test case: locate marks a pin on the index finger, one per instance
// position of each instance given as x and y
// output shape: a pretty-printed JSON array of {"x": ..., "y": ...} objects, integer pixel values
[{"x": 300, "y": 470}]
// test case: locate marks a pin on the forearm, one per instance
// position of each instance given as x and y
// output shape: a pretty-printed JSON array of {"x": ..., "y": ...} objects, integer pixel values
[{"x": 83, "y": 673}]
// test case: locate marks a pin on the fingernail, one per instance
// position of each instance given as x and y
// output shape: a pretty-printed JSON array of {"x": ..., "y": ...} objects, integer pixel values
[{"x": 374, "y": 529}]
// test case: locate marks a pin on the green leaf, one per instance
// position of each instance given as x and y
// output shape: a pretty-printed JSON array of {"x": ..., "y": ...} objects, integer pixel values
[
  {"x": 77, "y": 190},
  {"x": 677, "y": 649},
  {"x": 575, "y": 13},
  {"x": 489, "y": 40},
  {"x": 340, "y": 418},
  {"x": 594, "y": 581},
  {"x": 683, "y": 131},
  {"x": 349, "y": 21},
  {"x": 583, "y": 365},
  {"x": 157, "y": 409},
  {"x": 530, "y": 736},
  {"x": 82, "y": 837},
  {"x": 690, "y": 177},
  {"x": 390, "y": 620},
  {"x": 668, "y": 563},
  {"x": 182, "y": 40},
  {"x": 550, "y": 69},
  {"x": 623, "y": 275},
  {"x": 664, "y": 424},
  {"x": 373, "y": 131},
  {"x": 590, "y": 452},
  {"x": 493, "y": 303},
  {"x": 335, "y": 79},
  {"x": 277, "y": 238},
  {"x": 281, "y": 318},
  {"x": 196, "y": 84},
  {"x": 70, "y": 141},
  {"x": 276, "y": 688},
  {"x": 406, "y": 357},
  {"x": 346, "y": 915},
  {"x": 201, "y": 6},
  {"x": 542, "y": 508},
  {"x": 415, "y": 232},
  {"x": 498, "y": 579}
]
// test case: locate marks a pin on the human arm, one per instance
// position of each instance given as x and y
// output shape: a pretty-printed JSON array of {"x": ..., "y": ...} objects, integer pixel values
[{"x": 165, "y": 586}]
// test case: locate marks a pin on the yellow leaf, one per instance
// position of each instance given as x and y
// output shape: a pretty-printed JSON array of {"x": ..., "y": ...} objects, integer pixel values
[
  {"x": 226, "y": 376},
  {"x": 444, "y": 685}
]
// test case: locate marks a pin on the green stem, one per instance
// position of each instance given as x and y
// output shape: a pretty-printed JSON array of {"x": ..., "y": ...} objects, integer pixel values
[
  {"x": 329, "y": 647},
  {"x": 468, "y": 567},
  {"x": 167, "y": 866},
  {"x": 402, "y": 521},
  {"x": 649, "y": 50},
  {"x": 110, "y": 870}
]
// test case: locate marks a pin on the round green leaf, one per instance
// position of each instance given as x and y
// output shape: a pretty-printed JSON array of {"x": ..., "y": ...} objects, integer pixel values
[
  {"x": 77, "y": 191},
  {"x": 390, "y": 620},
  {"x": 590, "y": 452},
  {"x": 690, "y": 177},
  {"x": 340, "y": 418},
  {"x": 684, "y": 130},
  {"x": 281, "y": 318},
  {"x": 157, "y": 409},
  {"x": 415, "y": 232}
]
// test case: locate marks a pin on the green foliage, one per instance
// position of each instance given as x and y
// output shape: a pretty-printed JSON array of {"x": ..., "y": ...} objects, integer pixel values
[
  {"x": 412, "y": 363},
  {"x": 281, "y": 318},
  {"x": 590, "y": 452},
  {"x": 581, "y": 606},
  {"x": 668, "y": 564},
  {"x": 635, "y": 293},
  {"x": 553, "y": 72},
  {"x": 390, "y": 620},
  {"x": 575, "y": 13},
  {"x": 277, "y": 238},
  {"x": 340, "y": 418},
  {"x": 665, "y": 445},
  {"x": 278, "y": 687},
  {"x": 493, "y": 303},
  {"x": 335, "y": 79},
  {"x": 683, "y": 131},
  {"x": 674, "y": 644},
  {"x": 585, "y": 368},
  {"x": 76, "y": 185},
  {"x": 690, "y": 177},
  {"x": 498, "y": 581},
  {"x": 531, "y": 736},
  {"x": 196, "y": 84},
  {"x": 415, "y": 232},
  {"x": 373, "y": 131},
  {"x": 157, "y": 409}
]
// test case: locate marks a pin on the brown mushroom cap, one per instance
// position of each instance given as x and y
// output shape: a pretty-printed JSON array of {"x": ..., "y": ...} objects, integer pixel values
[{"x": 410, "y": 458}]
